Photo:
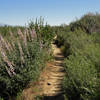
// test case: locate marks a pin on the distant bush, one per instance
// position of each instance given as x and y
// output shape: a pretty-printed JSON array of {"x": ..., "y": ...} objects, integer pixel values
[{"x": 89, "y": 23}]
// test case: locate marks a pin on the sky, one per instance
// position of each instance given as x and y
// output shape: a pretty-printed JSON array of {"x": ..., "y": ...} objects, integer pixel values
[{"x": 55, "y": 12}]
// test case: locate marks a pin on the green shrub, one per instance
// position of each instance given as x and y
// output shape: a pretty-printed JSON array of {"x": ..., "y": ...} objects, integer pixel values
[
  {"x": 81, "y": 80},
  {"x": 80, "y": 44}
]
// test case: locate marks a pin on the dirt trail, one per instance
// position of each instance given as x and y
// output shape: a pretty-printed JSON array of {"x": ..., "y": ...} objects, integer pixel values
[
  {"x": 50, "y": 79},
  {"x": 53, "y": 76}
]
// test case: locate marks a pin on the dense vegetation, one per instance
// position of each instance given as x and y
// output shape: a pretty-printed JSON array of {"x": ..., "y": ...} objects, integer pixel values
[
  {"x": 23, "y": 53},
  {"x": 80, "y": 43}
]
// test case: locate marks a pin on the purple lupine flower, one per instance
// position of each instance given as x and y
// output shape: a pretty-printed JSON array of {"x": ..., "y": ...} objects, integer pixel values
[
  {"x": 41, "y": 45},
  {"x": 12, "y": 45},
  {"x": 1, "y": 41},
  {"x": 20, "y": 34},
  {"x": 33, "y": 33},
  {"x": 39, "y": 28},
  {"x": 10, "y": 74},
  {"x": 27, "y": 34},
  {"x": 6, "y": 46},
  {"x": 1, "y": 38},
  {"x": 6, "y": 59},
  {"x": 11, "y": 34},
  {"x": 10, "y": 69},
  {"x": 3, "y": 54},
  {"x": 25, "y": 38},
  {"x": 21, "y": 51},
  {"x": 9, "y": 45}
]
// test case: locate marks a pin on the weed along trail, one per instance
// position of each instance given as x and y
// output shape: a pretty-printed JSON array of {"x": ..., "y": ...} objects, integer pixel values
[{"x": 50, "y": 81}]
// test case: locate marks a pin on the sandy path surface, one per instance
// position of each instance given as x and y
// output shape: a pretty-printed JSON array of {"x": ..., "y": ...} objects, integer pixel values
[{"x": 53, "y": 75}]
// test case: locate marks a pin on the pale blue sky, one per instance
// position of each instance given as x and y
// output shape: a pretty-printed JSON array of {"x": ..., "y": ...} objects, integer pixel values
[{"x": 55, "y": 12}]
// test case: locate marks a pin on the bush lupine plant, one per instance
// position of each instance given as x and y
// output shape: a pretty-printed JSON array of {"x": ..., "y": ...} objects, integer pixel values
[
  {"x": 22, "y": 57},
  {"x": 7, "y": 47}
]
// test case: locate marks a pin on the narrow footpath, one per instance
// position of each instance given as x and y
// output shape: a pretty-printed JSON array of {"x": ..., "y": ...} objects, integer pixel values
[
  {"x": 53, "y": 75},
  {"x": 49, "y": 84}
]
